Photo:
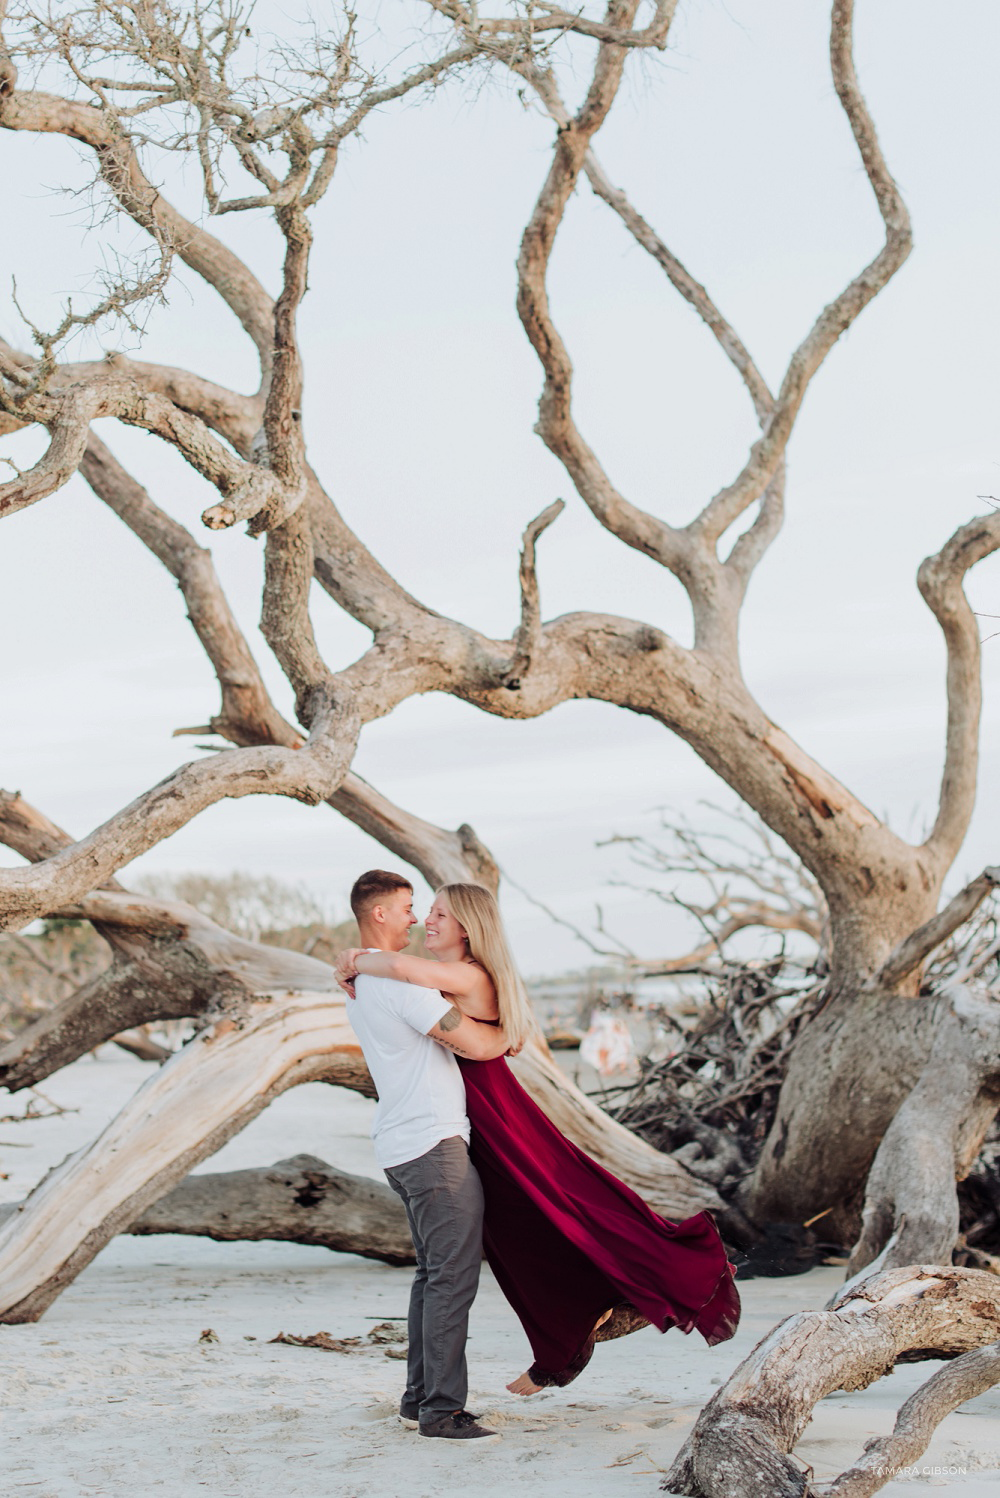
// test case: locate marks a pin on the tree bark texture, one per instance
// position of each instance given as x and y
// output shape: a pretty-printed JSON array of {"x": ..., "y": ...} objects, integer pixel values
[
  {"x": 254, "y": 1049},
  {"x": 930, "y": 1144},
  {"x": 186, "y": 1111},
  {"x": 301, "y": 1200},
  {"x": 741, "y": 1443}
]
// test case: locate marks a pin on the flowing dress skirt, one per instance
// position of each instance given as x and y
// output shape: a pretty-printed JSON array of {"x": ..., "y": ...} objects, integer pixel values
[{"x": 568, "y": 1241}]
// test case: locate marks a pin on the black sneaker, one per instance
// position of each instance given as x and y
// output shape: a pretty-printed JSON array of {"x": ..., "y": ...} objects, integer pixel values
[
  {"x": 410, "y": 1416},
  {"x": 461, "y": 1426}
]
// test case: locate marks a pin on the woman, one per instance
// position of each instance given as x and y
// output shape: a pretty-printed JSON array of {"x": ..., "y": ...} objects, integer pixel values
[{"x": 578, "y": 1254}]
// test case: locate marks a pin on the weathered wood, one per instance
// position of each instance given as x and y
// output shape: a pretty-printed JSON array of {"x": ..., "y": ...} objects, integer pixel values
[
  {"x": 224, "y": 1077},
  {"x": 442, "y": 856},
  {"x": 189, "y": 966},
  {"x": 174, "y": 982},
  {"x": 920, "y": 943},
  {"x": 180, "y": 964},
  {"x": 158, "y": 973},
  {"x": 932, "y": 1141},
  {"x": 140, "y": 1043},
  {"x": 971, "y": 1374},
  {"x": 301, "y": 1200},
  {"x": 309, "y": 774},
  {"x": 827, "y": 1135},
  {"x": 741, "y": 1443},
  {"x": 183, "y": 962}
]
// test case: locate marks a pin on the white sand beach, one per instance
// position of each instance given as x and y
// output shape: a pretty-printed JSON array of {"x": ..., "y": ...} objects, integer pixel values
[{"x": 114, "y": 1393}]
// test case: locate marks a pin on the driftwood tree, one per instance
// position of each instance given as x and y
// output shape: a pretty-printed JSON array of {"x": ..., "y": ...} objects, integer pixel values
[
  {"x": 138, "y": 79},
  {"x": 741, "y": 1443}
]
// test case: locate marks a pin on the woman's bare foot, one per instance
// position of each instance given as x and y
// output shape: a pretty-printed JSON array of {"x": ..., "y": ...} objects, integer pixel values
[{"x": 526, "y": 1384}]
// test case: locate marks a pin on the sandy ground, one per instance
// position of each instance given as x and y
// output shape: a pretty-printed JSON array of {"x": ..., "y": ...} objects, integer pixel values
[{"x": 112, "y": 1393}]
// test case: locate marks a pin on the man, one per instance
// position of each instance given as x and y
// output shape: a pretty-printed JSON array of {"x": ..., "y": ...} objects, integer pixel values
[{"x": 421, "y": 1135}]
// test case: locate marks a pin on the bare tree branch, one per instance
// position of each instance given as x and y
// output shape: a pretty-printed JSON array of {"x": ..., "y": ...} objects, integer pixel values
[
  {"x": 910, "y": 953},
  {"x": 836, "y": 318},
  {"x": 233, "y": 416},
  {"x": 529, "y": 633},
  {"x": 120, "y": 170},
  {"x": 68, "y": 426},
  {"x": 545, "y": 17},
  {"x": 940, "y": 580},
  {"x": 247, "y": 487},
  {"x": 247, "y": 715},
  {"x": 954, "y": 1384},
  {"x": 310, "y": 774},
  {"x": 911, "y": 1212},
  {"x": 442, "y": 857},
  {"x": 691, "y": 553},
  {"x": 740, "y": 1446},
  {"x": 283, "y": 125}
]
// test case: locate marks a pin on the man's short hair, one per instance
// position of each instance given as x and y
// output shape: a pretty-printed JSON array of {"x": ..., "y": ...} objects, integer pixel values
[{"x": 372, "y": 888}]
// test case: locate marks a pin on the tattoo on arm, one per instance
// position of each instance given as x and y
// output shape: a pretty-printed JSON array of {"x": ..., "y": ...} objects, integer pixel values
[
  {"x": 450, "y": 1045},
  {"x": 450, "y": 1021}
]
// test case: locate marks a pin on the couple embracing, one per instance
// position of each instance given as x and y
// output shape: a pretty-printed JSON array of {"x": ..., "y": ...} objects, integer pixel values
[{"x": 480, "y": 1168}]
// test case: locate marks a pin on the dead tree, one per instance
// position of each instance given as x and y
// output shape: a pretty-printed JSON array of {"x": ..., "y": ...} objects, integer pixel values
[
  {"x": 752, "y": 883},
  {"x": 301, "y": 1200},
  {"x": 266, "y": 1019},
  {"x": 130, "y": 74},
  {"x": 741, "y": 1443}
]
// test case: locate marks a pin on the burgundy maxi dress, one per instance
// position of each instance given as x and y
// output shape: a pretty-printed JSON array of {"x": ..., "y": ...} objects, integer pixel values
[{"x": 568, "y": 1241}]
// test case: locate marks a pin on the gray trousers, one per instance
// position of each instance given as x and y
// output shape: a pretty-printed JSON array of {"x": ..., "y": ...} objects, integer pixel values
[{"x": 443, "y": 1197}]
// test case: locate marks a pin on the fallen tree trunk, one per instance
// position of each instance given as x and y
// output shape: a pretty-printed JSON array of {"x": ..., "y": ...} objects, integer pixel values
[
  {"x": 180, "y": 964},
  {"x": 971, "y": 1374},
  {"x": 227, "y": 1074},
  {"x": 301, "y": 1200},
  {"x": 911, "y": 1203},
  {"x": 171, "y": 981},
  {"x": 195, "y": 965},
  {"x": 222, "y": 1079},
  {"x": 741, "y": 1443}
]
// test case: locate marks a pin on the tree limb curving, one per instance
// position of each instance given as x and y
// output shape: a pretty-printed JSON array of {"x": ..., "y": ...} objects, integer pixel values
[
  {"x": 43, "y": 113},
  {"x": 969, "y": 1375},
  {"x": 187, "y": 1110},
  {"x": 940, "y": 580},
  {"x": 911, "y": 1205},
  {"x": 301, "y": 1200},
  {"x": 741, "y": 1443},
  {"x": 910, "y": 953},
  {"x": 310, "y": 774}
]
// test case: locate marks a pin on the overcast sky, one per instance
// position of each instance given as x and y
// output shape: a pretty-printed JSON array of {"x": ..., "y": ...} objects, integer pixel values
[{"x": 421, "y": 395}]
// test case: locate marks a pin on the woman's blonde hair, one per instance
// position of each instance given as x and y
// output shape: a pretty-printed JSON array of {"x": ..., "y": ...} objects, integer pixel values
[{"x": 476, "y": 911}]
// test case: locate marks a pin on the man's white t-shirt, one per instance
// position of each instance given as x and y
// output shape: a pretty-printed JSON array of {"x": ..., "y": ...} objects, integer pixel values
[{"x": 421, "y": 1095}]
